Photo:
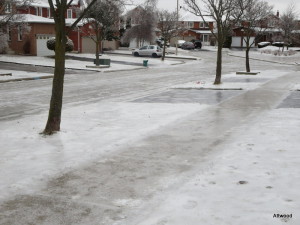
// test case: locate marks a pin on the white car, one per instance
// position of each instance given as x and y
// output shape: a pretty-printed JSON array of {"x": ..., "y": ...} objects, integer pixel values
[{"x": 148, "y": 50}]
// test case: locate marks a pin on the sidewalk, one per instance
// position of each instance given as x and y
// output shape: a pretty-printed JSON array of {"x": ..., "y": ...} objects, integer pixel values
[{"x": 148, "y": 162}]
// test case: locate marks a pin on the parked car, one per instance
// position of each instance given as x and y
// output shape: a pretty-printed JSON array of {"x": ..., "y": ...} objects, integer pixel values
[
  {"x": 188, "y": 45},
  {"x": 263, "y": 44},
  {"x": 148, "y": 50},
  {"x": 197, "y": 44},
  {"x": 179, "y": 43},
  {"x": 278, "y": 44}
]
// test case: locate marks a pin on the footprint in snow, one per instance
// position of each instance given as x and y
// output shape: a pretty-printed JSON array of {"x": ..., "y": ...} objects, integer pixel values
[{"x": 190, "y": 204}]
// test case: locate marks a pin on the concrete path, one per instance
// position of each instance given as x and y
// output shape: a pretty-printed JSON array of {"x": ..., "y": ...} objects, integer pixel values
[{"x": 126, "y": 186}]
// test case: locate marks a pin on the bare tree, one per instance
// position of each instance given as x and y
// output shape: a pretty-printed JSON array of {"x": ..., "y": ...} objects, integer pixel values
[
  {"x": 59, "y": 9},
  {"x": 256, "y": 11},
  {"x": 288, "y": 24},
  {"x": 144, "y": 21},
  {"x": 225, "y": 13},
  {"x": 103, "y": 18},
  {"x": 168, "y": 26}
]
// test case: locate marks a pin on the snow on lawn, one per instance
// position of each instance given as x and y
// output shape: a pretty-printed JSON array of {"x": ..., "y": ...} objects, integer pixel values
[
  {"x": 244, "y": 85},
  {"x": 255, "y": 175},
  {"x": 88, "y": 132},
  {"x": 71, "y": 64},
  {"x": 265, "y": 54}
]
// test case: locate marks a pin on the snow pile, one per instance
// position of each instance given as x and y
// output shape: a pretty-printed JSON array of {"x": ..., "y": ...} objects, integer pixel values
[{"x": 278, "y": 52}]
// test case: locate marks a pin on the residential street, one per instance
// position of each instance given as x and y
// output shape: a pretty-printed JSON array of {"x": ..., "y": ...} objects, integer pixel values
[{"x": 142, "y": 147}]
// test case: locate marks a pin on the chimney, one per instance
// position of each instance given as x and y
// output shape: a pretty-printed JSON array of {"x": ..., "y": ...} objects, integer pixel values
[{"x": 277, "y": 14}]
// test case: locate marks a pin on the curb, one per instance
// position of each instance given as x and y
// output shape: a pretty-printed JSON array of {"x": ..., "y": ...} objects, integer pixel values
[
  {"x": 26, "y": 64},
  {"x": 27, "y": 78},
  {"x": 207, "y": 88},
  {"x": 51, "y": 76},
  {"x": 170, "y": 57},
  {"x": 110, "y": 71}
]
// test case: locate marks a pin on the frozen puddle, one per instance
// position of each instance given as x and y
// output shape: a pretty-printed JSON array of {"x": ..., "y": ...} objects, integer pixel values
[{"x": 201, "y": 96}]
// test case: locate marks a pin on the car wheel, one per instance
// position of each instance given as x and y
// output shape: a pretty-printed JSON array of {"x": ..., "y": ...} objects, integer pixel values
[
  {"x": 136, "y": 54},
  {"x": 154, "y": 55}
]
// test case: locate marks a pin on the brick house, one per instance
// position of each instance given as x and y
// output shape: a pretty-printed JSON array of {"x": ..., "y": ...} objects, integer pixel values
[
  {"x": 197, "y": 29},
  {"x": 38, "y": 19}
]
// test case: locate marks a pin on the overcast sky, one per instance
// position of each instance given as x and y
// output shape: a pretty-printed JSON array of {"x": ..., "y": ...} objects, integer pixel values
[{"x": 280, "y": 5}]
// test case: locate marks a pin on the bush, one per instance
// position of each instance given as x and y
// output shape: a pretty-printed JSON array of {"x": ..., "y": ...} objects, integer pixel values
[
  {"x": 227, "y": 43},
  {"x": 3, "y": 43},
  {"x": 69, "y": 44},
  {"x": 26, "y": 47}
]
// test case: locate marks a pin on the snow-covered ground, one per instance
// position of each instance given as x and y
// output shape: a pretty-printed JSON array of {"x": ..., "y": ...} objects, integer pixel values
[
  {"x": 254, "y": 177},
  {"x": 227, "y": 85},
  {"x": 137, "y": 63},
  {"x": 267, "y": 54},
  {"x": 39, "y": 158}
]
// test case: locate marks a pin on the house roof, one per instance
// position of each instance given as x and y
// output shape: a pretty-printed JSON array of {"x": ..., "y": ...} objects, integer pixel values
[
  {"x": 128, "y": 7},
  {"x": 45, "y": 4},
  {"x": 190, "y": 17},
  {"x": 29, "y": 18}
]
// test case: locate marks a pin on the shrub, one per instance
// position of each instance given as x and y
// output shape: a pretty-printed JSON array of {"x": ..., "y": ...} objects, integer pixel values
[
  {"x": 3, "y": 43},
  {"x": 26, "y": 47},
  {"x": 69, "y": 44}
]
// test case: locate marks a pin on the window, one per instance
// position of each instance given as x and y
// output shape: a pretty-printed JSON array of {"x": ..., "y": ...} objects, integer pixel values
[
  {"x": 204, "y": 25},
  {"x": 8, "y": 8},
  {"x": 40, "y": 11},
  {"x": 20, "y": 36},
  {"x": 190, "y": 24},
  {"x": 69, "y": 13},
  {"x": 48, "y": 13},
  {"x": 204, "y": 38}
]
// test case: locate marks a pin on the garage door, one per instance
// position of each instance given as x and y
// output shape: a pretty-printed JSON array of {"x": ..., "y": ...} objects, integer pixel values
[{"x": 41, "y": 45}]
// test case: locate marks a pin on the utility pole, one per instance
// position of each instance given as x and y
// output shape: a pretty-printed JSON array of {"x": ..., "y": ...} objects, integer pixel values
[{"x": 177, "y": 26}]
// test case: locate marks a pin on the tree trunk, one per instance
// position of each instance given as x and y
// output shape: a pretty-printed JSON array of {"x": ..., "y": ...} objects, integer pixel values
[
  {"x": 164, "y": 52},
  {"x": 54, "y": 116},
  {"x": 97, "y": 62},
  {"x": 219, "y": 62},
  {"x": 247, "y": 60}
]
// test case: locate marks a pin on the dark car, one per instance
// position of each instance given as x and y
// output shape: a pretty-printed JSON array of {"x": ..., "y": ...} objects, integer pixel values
[
  {"x": 198, "y": 44},
  {"x": 188, "y": 45}
]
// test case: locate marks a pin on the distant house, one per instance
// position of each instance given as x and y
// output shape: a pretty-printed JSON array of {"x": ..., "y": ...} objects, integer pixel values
[
  {"x": 270, "y": 29},
  {"x": 40, "y": 27},
  {"x": 197, "y": 29},
  {"x": 133, "y": 21}
]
